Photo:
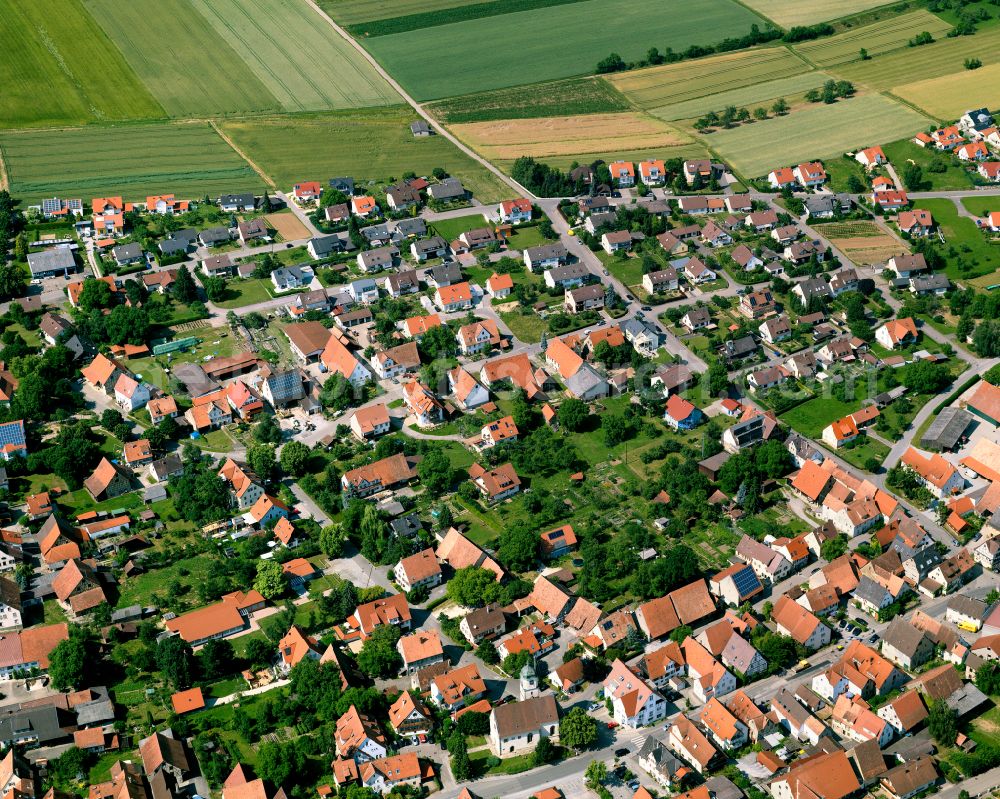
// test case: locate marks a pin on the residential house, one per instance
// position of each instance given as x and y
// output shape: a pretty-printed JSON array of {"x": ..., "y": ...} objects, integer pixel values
[
  {"x": 517, "y": 726},
  {"x": 798, "y": 623},
  {"x": 634, "y": 703},
  {"x": 545, "y": 256}
]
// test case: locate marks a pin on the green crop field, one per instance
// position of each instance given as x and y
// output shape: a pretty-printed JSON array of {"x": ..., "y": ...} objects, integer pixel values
[
  {"x": 556, "y": 42},
  {"x": 757, "y": 94},
  {"x": 877, "y": 38},
  {"x": 59, "y": 68},
  {"x": 350, "y": 12},
  {"x": 370, "y": 145},
  {"x": 657, "y": 87},
  {"x": 942, "y": 57},
  {"x": 816, "y": 131},
  {"x": 558, "y": 98},
  {"x": 434, "y": 17},
  {"x": 189, "y": 160},
  {"x": 296, "y": 54},
  {"x": 808, "y": 12},
  {"x": 694, "y": 150},
  {"x": 181, "y": 58}
]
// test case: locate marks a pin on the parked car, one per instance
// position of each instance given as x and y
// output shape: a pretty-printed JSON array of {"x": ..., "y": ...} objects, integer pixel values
[{"x": 623, "y": 752}]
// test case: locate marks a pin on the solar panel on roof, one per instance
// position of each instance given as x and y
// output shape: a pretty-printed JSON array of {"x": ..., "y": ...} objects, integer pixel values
[{"x": 746, "y": 581}]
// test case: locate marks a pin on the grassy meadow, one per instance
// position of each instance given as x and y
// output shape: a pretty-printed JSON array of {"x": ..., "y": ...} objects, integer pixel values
[
  {"x": 187, "y": 159},
  {"x": 370, "y": 145},
  {"x": 757, "y": 94},
  {"x": 556, "y": 98},
  {"x": 816, "y": 131},
  {"x": 557, "y": 42},
  {"x": 950, "y": 96},
  {"x": 877, "y": 38},
  {"x": 58, "y": 68},
  {"x": 788, "y": 13},
  {"x": 656, "y": 87}
]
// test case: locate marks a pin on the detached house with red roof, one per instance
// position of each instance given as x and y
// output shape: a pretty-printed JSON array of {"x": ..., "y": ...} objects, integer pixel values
[
  {"x": 990, "y": 170},
  {"x": 456, "y": 297},
  {"x": 897, "y": 333},
  {"x": 810, "y": 175},
  {"x": 783, "y": 178},
  {"x": 512, "y": 212},
  {"x": 652, "y": 172},
  {"x": 871, "y": 157},
  {"x": 890, "y": 199},
  {"x": 496, "y": 484},
  {"x": 623, "y": 173},
  {"x": 937, "y": 474},
  {"x": 308, "y": 192},
  {"x": 917, "y": 222},
  {"x": 681, "y": 414}
]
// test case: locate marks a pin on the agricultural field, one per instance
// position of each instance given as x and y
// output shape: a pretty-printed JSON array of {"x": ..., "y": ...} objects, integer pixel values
[
  {"x": 788, "y": 12},
  {"x": 863, "y": 242},
  {"x": 656, "y": 87},
  {"x": 287, "y": 225},
  {"x": 370, "y": 145},
  {"x": 763, "y": 93},
  {"x": 877, "y": 38},
  {"x": 692, "y": 150},
  {"x": 816, "y": 131},
  {"x": 558, "y": 42},
  {"x": 296, "y": 54},
  {"x": 510, "y": 139},
  {"x": 187, "y": 159},
  {"x": 558, "y": 98},
  {"x": 950, "y": 96},
  {"x": 202, "y": 78},
  {"x": 434, "y": 17},
  {"x": 942, "y": 57},
  {"x": 350, "y": 12},
  {"x": 59, "y": 68}
]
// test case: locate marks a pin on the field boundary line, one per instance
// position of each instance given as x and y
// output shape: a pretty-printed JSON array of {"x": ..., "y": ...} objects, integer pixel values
[
  {"x": 4, "y": 180},
  {"x": 253, "y": 164},
  {"x": 896, "y": 99},
  {"x": 808, "y": 62}
]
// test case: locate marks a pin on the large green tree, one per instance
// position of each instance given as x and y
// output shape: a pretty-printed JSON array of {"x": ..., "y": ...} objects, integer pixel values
[
  {"x": 68, "y": 663},
  {"x": 577, "y": 729},
  {"x": 378, "y": 656}
]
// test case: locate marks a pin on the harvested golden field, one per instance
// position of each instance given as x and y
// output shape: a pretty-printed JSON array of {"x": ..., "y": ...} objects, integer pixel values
[
  {"x": 288, "y": 226},
  {"x": 869, "y": 249},
  {"x": 952, "y": 95},
  {"x": 512, "y": 138}
]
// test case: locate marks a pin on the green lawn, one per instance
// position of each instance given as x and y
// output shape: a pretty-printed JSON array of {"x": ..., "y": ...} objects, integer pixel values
[
  {"x": 140, "y": 588},
  {"x": 526, "y": 327},
  {"x": 250, "y": 291},
  {"x": 954, "y": 176},
  {"x": 870, "y": 448},
  {"x": 812, "y": 416},
  {"x": 451, "y": 229},
  {"x": 79, "y": 501},
  {"x": 982, "y": 258},
  {"x": 627, "y": 270}
]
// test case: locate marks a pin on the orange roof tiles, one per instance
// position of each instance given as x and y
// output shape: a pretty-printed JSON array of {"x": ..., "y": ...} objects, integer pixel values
[{"x": 186, "y": 701}]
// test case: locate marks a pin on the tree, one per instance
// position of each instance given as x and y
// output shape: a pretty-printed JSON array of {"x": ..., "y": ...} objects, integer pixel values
[
  {"x": 760, "y": 113},
  {"x": 435, "y": 472},
  {"x": 612, "y": 63},
  {"x": 461, "y": 766},
  {"x": 11, "y": 281},
  {"x": 184, "y": 289},
  {"x": 716, "y": 379},
  {"x": 487, "y": 652},
  {"x": 572, "y": 414},
  {"x": 270, "y": 581},
  {"x": 95, "y": 295},
  {"x": 217, "y": 659},
  {"x": 925, "y": 377},
  {"x": 174, "y": 658},
  {"x": 259, "y": 653},
  {"x": 67, "y": 663},
  {"x": 544, "y": 752},
  {"x": 913, "y": 176},
  {"x": 780, "y": 107},
  {"x": 215, "y": 288},
  {"x": 942, "y": 722},
  {"x": 267, "y": 431},
  {"x": 833, "y": 548},
  {"x": 262, "y": 461},
  {"x": 577, "y": 729},
  {"x": 378, "y": 657},
  {"x": 472, "y": 587},
  {"x": 519, "y": 546},
  {"x": 596, "y": 774},
  {"x": 295, "y": 458},
  {"x": 988, "y": 678},
  {"x": 986, "y": 339},
  {"x": 331, "y": 540},
  {"x": 273, "y": 762},
  {"x": 863, "y": 54}
]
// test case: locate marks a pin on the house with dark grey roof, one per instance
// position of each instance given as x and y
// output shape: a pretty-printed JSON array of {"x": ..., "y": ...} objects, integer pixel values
[
  {"x": 214, "y": 236},
  {"x": 378, "y": 259},
  {"x": 325, "y": 246},
  {"x": 345, "y": 185},
  {"x": 125, "y": 254},
  {"x": 421, "y": 128},
  {"x": 405, "y": 228},
  {"x": 743, "y": 347},
  {"x": 936, "y": 284},
  {"x": 43, "y": 726},
  {"x": 447, "y": 190},
  {"x": 434, "y": 247},
  {"x": 376, "y": 235},
  {"x": 567, "y": 276},
  {"x": 446, "y": 275},
  {"x": 178, "y": 241},
  {"x": 233, "y": 203},
  {"x": 48, "y": 263},
  {"x": 545, "y": 256}
]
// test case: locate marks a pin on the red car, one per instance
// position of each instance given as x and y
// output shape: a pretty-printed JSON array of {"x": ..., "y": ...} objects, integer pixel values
[{"x": 612, "y": 725}]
